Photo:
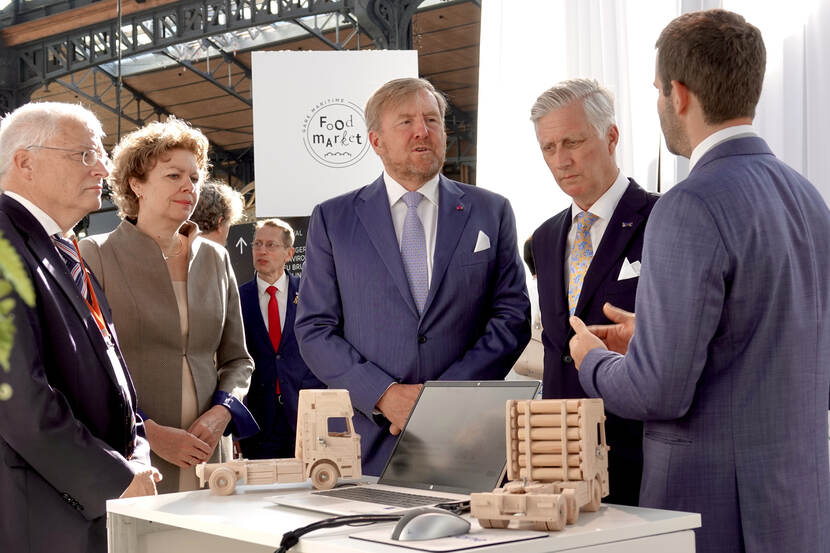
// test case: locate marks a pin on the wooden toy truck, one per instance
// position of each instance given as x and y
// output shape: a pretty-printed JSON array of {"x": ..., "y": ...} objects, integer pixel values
[
  {"x": 553, "y": 472},
  {"x": 319, "y": 454}
]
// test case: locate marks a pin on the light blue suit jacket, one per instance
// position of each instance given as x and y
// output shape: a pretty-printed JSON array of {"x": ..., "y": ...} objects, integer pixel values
[
  {"x": 730, "y": 362},
  {"x": 357, "y": 324}
]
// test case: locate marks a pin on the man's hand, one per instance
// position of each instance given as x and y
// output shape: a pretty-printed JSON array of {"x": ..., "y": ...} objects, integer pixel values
[
  {"x": 210, "y": 426},
  {"x": 583, "y": 341},
  {"x": 144, "y": 483},
  {"x": 396, "y": 404},
  {"x": 176, "y": 446},
  {"x": 616, "y": 336}
]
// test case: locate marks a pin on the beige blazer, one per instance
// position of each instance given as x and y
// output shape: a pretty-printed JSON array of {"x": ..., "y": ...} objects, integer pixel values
[{"x": 130, "y": 267}]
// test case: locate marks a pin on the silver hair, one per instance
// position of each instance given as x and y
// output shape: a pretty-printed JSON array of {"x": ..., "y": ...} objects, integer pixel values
[
  {"x": 35, "y": 123},
  {"x": 597, "y": 101}
]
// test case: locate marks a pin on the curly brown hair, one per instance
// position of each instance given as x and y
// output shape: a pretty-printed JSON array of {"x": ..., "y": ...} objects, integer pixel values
[{"x": 137, "y": 153}]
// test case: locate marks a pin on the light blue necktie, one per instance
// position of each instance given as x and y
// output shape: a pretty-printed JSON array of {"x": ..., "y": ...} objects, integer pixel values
[{"x": 414, "y": 250}]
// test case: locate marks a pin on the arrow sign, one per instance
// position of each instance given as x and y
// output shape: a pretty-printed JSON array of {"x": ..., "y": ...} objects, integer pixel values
[{"x": 241, "y": 243}]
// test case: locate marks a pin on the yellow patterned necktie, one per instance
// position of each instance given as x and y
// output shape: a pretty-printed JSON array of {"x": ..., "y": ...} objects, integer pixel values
[{"x": 580, "y": 257}]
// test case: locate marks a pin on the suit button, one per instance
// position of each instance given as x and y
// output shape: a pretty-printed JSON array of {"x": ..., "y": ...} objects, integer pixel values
[
  {"x": 278, "y": 356},
  {"x": 567, "y": 359},
  {"x": 422, "y": 339}
]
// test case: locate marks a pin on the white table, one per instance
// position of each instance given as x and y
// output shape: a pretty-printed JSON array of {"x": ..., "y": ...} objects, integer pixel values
[{"x": 247, "y": 523}]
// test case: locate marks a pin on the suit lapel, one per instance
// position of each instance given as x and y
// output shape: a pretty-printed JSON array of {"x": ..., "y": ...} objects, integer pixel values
[
  {"x": 290, "y": 310},
  {"x": 453, "y": 214},
  {"x": 249, "y": 297},
  {"x": 559, "y": 243},
  {"x": 43, "y": 249},
  {"x": 372, "y": 209},
  {"x": 621, "y": 229}
]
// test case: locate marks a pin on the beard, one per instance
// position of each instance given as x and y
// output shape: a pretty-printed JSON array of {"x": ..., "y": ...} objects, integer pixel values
[
  {"x": 420, "y": 170},
  {"x": 677, "y": 142}
]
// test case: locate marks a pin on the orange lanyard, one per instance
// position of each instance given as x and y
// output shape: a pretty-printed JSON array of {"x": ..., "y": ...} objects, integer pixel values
[{"x": 94, "y": 307}]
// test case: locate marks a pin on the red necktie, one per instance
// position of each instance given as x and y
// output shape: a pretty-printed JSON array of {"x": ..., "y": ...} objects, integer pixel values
[{"x": 274, "y": 323}]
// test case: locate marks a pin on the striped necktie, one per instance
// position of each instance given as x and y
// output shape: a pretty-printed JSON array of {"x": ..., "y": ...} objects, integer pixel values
[
  {"x": 72, "y": 259},
  {"x": 414, "y": 250},
  {"x": 580, "y": 257}
]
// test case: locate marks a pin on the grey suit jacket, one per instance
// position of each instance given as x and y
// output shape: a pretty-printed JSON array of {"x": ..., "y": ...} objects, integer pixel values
[
  {"x": 730, "y": 362},
  {"x": 132, "y": 271}
]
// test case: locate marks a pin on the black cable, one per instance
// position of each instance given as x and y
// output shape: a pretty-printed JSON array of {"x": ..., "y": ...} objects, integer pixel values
[{"x": 290, "y": 539}]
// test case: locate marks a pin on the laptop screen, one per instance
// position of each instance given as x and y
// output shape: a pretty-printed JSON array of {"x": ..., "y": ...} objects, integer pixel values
[{"x": 454, "y": 440}]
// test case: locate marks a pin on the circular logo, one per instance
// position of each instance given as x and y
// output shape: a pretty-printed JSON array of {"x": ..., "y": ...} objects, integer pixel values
[{"x": 334, "y": 133}]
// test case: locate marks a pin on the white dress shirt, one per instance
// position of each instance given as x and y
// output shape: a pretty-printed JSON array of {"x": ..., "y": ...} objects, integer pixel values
[
  {"x": 265, "y": 297},
  {"x": 716, "y": 138},
  {"x": 427, "y": 211},
  {"x": 603, "y": 208}
]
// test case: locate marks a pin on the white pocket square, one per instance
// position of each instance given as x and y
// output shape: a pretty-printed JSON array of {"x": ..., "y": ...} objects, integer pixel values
[
  {"x": 629, "y": 270},
  {"x": 483, "y": 242}
]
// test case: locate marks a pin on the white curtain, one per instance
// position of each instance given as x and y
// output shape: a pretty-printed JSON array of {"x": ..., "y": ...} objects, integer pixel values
[{"x": 528, "y": 46}]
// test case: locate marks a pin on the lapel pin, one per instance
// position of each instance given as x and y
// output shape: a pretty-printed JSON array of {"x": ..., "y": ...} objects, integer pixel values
[
  {"x": 296, "y": 298},
  {"x": 459, "y": 207},
  {"x": 628, "y": 225}
]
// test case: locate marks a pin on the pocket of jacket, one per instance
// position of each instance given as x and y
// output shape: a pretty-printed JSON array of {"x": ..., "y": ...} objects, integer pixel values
[{"x": 666, "y": 438}]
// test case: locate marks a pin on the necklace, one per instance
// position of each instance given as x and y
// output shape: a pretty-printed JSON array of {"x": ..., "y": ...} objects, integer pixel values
[{"x": 179, "y": 250}]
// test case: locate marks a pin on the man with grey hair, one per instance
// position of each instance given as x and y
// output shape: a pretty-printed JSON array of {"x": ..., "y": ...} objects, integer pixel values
[
  {"x": 69, "y": 436},
  {"x": 589, "y": 254},
  {"x": 414, "y": 277}
]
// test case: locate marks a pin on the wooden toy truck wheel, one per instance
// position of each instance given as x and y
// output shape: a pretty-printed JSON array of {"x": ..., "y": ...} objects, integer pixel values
[
  {"x": 492, "y": 523},
  {"x": 324, "y": 476},
  {"x": 596, "y": 497},
  {"x": 222, "y": 481},
  {"x": 558, "y": 522}
]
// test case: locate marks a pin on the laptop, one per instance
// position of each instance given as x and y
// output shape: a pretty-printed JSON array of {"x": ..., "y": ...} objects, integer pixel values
[{"x": 452, "y": 445}]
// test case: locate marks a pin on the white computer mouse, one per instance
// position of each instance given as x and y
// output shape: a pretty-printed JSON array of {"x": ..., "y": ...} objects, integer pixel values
[{"x": 429, "y": 524}]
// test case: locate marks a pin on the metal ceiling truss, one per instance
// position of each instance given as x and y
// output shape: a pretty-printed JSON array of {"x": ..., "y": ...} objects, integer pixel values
[
  {"x": 214, "y": 75},
  {"x": 139, "y": 110},
  {"x": 154, "y": 29}
]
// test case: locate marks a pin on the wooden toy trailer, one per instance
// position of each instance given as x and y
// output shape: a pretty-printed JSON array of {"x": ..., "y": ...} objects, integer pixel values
[
  {"x": 557, "y": 464},
  {"x": 319, "y": 454}
]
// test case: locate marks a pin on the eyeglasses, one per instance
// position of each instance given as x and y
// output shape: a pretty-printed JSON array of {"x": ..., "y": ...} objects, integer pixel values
[
  {"x": 269, "y": 245},
  {"x": 88, "y": 157}
]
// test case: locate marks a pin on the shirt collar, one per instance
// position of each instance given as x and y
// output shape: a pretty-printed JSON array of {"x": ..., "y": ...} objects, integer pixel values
[
  {"x": 606, "y": 204},
  {"x": 716, "y": 138},
  {"x": 48, "y": 224},
  {"x": 280, "y": 283},
  {"x": 395, "y": 191}
]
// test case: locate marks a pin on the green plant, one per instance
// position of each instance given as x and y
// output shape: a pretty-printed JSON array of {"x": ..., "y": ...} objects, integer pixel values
[{"x": 13, "y": 278}]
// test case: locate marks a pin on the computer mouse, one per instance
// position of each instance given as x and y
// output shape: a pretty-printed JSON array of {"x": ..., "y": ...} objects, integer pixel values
[{"x": 429, "y": 524}]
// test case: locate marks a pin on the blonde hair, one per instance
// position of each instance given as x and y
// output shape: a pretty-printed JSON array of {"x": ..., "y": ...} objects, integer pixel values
[
  {"x": 279, "y": 224},
  {"x": 138, "y": 152},
  {"x": 393, "y": 92}
]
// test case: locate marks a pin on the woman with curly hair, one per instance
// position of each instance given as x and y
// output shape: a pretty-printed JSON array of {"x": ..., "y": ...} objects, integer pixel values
[{"x": 175, "y": 303}]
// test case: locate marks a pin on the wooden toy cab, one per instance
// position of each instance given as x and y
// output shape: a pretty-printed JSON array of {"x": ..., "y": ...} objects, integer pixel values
[
  {"x": 557, "y": 463},
  {"x": 320, "y": 453}
]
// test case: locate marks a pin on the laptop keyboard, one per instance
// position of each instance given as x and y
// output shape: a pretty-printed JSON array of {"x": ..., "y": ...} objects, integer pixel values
[{"x": 383, "y": 497}]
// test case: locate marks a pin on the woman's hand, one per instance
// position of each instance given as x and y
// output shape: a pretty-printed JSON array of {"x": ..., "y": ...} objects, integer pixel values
[
  {"x": 210, "y": 425},
  {"x": 177, "y": 446}
]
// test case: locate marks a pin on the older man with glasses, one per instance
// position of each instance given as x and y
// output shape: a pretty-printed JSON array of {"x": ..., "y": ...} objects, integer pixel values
[
  {"x": 269, "y": 305},
  {"x": 69, "y": 435}
]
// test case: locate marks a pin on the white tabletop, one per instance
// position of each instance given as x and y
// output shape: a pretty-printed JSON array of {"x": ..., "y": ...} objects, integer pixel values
[{"x": 248, "y": 516}]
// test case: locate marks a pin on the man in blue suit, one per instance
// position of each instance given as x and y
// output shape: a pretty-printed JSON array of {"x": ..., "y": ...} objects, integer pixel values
[
  {"x": 574, "y": 123},
  {"x": 728, "y": 366},
  {"x": 412, "y": 278},
  {"x": 269, "y": 307},
  {"x": 69, "y": 436}
]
